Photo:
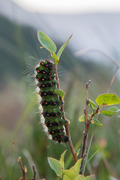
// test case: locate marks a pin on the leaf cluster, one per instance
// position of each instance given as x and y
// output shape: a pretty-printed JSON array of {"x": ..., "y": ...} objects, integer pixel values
[
  {"x": 103, "y": 100},
  {"x": 67, "y": 174},
  {"x": 48, "y": 44}
]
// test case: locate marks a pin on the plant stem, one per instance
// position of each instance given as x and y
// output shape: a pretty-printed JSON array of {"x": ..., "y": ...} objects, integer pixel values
[
  {"x": 10, "y": 172},
  {"x": 34, "y": 172},
  {"x": 22, "y": 168},
  {"x": 87, "y": 123},
  {"x": 66, "y": 124}
]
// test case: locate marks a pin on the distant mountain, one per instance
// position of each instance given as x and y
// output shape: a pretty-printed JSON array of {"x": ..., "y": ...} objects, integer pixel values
[{"x": 100, "y": 31}]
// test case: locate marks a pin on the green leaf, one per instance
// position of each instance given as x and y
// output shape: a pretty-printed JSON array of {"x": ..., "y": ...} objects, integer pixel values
[
  {"x": 92, "y": 104},
  {"x": 82, "y": 118},
  {"x": 71, "y": 174},
  {"x": 107, "y": 100},
  {"x": 62, "y": 159},
  {"x": 63, "y": 47},
  {"x": 96, "y": 122},
  {"x": 91, "y": 177},
  {"x": 60, "y": 93},
  {"x": 76, "y": 167},
  {"x": 110, "y": 111},
  {"x": 46, "y": 42},
  {"x": 65, "y": 177},
  {"x": 80, "y": 177},
  {"x": 56, "y": 59},
  {"x": 55, "y": 165}
]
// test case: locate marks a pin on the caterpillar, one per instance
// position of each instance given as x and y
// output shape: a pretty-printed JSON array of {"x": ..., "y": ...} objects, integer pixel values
[{"x": 45, "y": 75}]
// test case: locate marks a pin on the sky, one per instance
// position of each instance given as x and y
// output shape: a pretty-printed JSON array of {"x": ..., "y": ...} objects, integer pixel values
[{"x": 70, "y": 6}]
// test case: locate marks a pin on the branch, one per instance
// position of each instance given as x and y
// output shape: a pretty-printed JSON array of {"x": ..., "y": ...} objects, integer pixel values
[
  {"x": 113, "y": 60},
  {"x": 34, "y": 172},
  {"x": 83, "y": 155},
  {"x": 23, "y": 169},
  {"x": 67, "y": 124},
  {"x": 113, "y": 78},
  {"x": 88, "y": 121},
  {"x": 87, "y": 124},
  {"x": 85, "y": 51}
]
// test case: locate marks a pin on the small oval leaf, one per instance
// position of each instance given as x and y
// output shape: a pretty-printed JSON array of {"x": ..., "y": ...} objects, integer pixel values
[
  {"x": 92, "y": 104},
  {"x": 63, "y": 47},
  {"x": 107, "y": 100},
  {"x": 96, "y": 122},
  {"x": 55, "y": 165},
  {"x": 82, "y": 118},
  {"x": 110, "y": 111},
  {"x": 60, "y": 93},
  {"x": 46, "y": 42}
]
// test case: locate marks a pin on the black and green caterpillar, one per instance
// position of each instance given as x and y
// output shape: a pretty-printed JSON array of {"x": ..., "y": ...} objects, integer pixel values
[{"x": 50, "y": 101}]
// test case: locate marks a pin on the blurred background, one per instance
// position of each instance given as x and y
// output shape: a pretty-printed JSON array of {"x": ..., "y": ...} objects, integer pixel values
[{"x": 92, "y": 53}]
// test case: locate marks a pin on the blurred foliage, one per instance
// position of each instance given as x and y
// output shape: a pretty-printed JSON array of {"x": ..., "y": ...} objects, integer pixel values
[{"x": 19, "y": 53}]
